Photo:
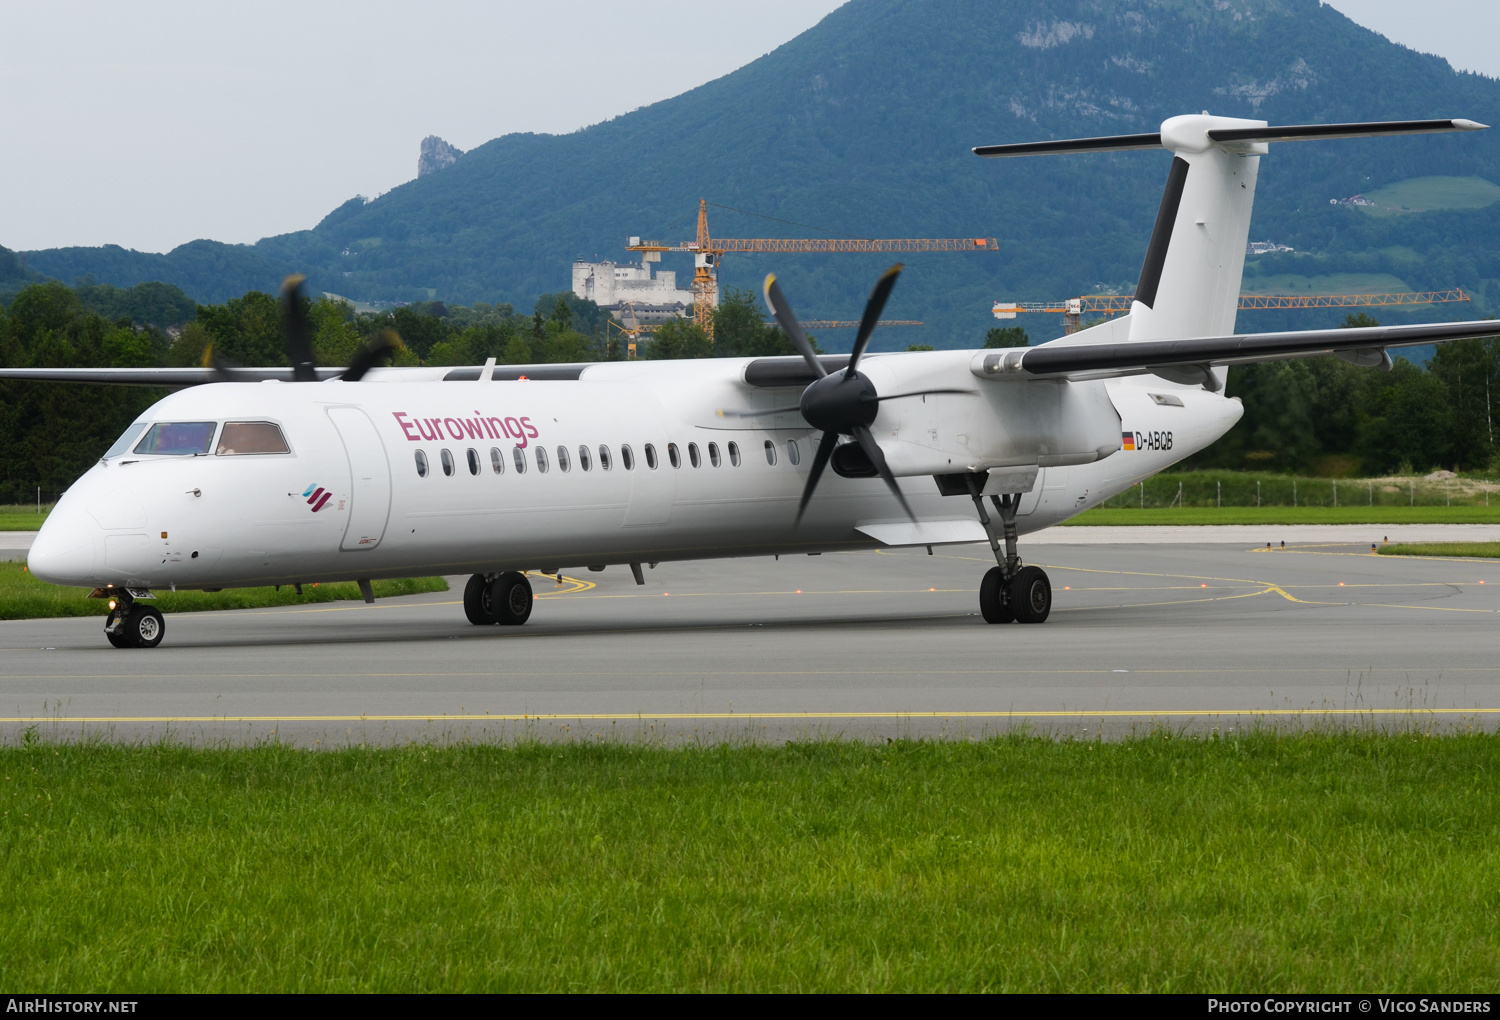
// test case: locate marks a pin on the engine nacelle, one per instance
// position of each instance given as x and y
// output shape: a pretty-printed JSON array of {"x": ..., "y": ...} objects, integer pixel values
[{"x": 1005, "y": 423}]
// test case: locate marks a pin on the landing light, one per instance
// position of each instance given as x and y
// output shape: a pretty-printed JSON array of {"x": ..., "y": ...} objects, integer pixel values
[{"x": 111, "y": 603}]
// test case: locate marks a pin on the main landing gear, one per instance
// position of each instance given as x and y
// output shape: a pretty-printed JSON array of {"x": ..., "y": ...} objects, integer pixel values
[
  {"x": 131, "y": 625},
  {"x": 498, "y": 598},
  {"x": 1009, "y": 591}
]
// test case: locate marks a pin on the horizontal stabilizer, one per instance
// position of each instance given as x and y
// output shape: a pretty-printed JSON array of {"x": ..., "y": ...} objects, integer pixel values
[
  {"x": 1104, "y": 143},
  {"x": 1371, "y": 129},
  {"x": 1233, "y": 136}
]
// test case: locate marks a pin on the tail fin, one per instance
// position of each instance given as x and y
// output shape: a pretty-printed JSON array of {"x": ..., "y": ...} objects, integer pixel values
[{"x": 1190, "y": 280}]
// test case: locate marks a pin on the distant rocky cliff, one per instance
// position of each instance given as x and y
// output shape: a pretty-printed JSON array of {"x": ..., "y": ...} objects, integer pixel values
[{"x": 436, "y": 155}]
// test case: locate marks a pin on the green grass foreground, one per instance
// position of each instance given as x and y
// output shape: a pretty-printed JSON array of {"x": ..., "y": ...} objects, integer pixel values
[
  {"x": 23, "y": 597},
  {"x": 1483, "y": 550},
  {"x": 1264, "y": 863},
  {"x": 22, "y": 517},
  {"x": 1272, "y": 515}
]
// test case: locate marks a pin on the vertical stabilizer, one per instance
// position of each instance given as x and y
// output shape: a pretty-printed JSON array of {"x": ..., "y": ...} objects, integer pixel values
[{"x": 1190, "y": 280}]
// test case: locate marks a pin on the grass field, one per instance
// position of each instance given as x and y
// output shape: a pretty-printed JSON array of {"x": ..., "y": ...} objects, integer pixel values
[
  {"x": 1259, "y": 863},
  {"x": 1271, "y": 515},
  {"x": 1421, "y": 194},
  {"x": 1244, "y": 497},
  {"x": 1485, "y": 550},
  {"x": 24, "y": 517},
  {"x": 1332, "y": 283},
  {"x": 23, "y": 597}
]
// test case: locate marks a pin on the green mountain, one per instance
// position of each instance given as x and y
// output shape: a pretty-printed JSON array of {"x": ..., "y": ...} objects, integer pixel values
[{"x": 862, "y": 126}]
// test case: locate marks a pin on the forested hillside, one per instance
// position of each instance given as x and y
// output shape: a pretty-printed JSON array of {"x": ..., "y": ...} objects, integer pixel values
[
  {"x": 863, "y": 124},
  {"x": 1321, "y": 416},
  {"x": 50, "y": 433}
]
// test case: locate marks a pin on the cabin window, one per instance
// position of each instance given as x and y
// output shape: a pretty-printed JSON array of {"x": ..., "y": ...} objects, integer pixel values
[
  {"x": 770, "y": 453},
  {"x": 734, "y": 454},
  {"x": 240, "y": 438},
  {"x": 421, "y": 464},
  {"x": 126, "y": 439},
  {"x": 447, "y": 462},
  {"x": 627, "y": 457},
  {"x": 673, "y": 455},
  {"x": 497, "y": 460},
  {"x": 792, "y": 453},
  {"x": 473, "y": 456},
  {"x": 563, "y": 464},
  {"x": 541, "y": 459},
  {"x": 519, "y": 456},
  {"x": 713, "y": 454},
  {"x": 584, "y": 462},
  {"x": 693, "y": 457},
  {"x": 178, "y": 439},
  {"x": 651, "y": 456},
  {"x": 604, "y": 462}
]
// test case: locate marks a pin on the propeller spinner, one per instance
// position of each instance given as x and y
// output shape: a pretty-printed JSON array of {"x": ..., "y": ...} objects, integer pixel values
[{"x": 844, "y": 403}]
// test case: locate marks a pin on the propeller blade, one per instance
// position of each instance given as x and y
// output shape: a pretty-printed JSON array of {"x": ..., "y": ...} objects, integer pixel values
[
  {"x": 383, "y": 345},
  {"x": 873, "y": 308},
  {"x": 925, "y": 393},
  {"x": 872, "y": 450},
  {"x": 298, "y": 332},
  {"x": 820, "y": 461},
  {"x": 756, "y": 414},
  {"x": 776, "y": 301},
  {"x": 224, "y": 370}
]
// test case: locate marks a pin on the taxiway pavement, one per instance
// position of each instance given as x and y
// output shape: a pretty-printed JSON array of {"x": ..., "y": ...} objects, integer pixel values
[{"x": 859, "y": 645}]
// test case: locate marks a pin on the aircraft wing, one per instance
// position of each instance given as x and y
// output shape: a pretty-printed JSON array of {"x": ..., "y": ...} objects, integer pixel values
[
  {"x": 1188, "y": 360},
  {"x": 155, "y": 376},
  {"x": 173, "y": 377}
]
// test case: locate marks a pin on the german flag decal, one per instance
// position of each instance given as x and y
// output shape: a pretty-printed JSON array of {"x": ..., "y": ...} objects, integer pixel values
[{"x": 1127, "y": 441}]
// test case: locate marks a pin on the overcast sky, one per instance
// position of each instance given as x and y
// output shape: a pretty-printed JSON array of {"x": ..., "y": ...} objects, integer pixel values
[{"x": 150, "y": 124}]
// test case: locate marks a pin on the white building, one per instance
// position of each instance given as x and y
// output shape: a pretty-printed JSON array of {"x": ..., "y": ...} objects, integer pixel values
[{"x": 613, "y": 285}]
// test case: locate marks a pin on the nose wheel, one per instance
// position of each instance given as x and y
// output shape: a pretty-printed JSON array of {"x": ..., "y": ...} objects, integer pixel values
[
  {"x": 132, "y": 625},
  {"x": 1009, "y": 591}
]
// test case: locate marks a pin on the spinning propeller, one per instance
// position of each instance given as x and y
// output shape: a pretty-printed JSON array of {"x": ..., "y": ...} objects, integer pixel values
[
  {"x": 299, "y": 343},
  {"x": 844, "y": 403}
]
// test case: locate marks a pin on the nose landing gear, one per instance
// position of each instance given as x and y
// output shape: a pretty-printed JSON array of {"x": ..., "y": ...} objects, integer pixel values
[
  {"x": 130, "y": 625},
  {"x": 503, "y": 599},
  {"x": 1009, "y": 591}
]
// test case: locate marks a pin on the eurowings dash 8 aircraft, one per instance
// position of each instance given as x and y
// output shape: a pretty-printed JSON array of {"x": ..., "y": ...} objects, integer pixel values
[{"x": 248, "y": 477}]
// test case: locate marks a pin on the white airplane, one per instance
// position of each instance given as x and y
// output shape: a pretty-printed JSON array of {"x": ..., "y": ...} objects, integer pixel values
[{"x": 375, "y": 472}]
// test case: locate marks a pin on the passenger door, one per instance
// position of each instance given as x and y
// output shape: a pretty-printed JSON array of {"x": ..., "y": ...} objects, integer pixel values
[{"x": 370, "y": 487}]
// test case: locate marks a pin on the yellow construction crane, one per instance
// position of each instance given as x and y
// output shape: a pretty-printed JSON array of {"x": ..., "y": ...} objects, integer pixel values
[
  {"x": 707, "y": 251},
  {"x": 1108, "y": 305}
]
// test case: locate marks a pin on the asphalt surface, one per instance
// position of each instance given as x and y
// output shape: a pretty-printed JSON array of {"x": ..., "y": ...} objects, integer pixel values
[{"x": 860, "y": 645}]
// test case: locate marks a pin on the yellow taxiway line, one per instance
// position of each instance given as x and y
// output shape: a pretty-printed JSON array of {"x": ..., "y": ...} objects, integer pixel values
[{"x": 754, "y": 716}]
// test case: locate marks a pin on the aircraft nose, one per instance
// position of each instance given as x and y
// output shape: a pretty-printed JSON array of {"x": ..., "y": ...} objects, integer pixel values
[{"x": 65, "y": 549}]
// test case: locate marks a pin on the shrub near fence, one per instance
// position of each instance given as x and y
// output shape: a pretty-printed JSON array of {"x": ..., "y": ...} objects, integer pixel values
[{"x": 1240, "y": 489}]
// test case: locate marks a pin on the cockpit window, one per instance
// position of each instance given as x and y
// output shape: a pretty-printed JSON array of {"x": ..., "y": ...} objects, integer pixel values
[
  {"x": 243, "y": 437},
  {"x": 178, "y": 438},
  {"x": 126, "y": 440}
]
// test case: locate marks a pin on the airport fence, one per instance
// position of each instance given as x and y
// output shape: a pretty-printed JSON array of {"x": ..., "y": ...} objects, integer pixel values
[
  {"x": 24, "y": 497},
  {"x": 1242, "y": 489}
]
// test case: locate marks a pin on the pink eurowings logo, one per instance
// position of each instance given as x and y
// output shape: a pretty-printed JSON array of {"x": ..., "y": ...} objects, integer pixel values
[{"x": 317, "y": 496}]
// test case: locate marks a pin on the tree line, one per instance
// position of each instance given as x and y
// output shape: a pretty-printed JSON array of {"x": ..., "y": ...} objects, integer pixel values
[{"x": 1317, "y": 415}]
